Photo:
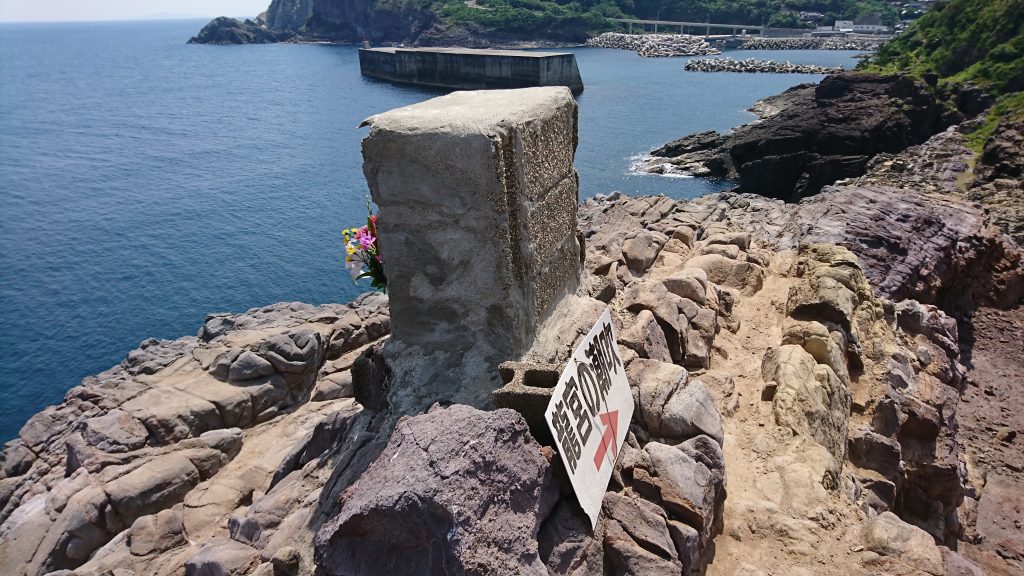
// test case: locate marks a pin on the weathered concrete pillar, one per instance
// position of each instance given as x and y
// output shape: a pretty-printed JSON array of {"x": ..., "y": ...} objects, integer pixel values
[{"x": 477, "y": 196}]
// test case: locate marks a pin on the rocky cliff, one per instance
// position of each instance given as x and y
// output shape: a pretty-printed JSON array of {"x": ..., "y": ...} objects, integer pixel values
[
  {"x": 799, "y": 391},
  {"x": 813, "y": 135},
  {"x": 350, "y": 21}
]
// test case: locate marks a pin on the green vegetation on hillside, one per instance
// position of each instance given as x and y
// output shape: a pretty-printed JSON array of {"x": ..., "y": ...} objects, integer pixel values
[
  {"x": 1008, "y": 108},
  {"x": 588, "y": 17},
  {"x": 980, "y": 41}
]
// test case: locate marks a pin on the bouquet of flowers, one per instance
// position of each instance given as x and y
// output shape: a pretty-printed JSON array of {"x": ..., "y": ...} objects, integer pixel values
[{"x": 363, "y": 258}]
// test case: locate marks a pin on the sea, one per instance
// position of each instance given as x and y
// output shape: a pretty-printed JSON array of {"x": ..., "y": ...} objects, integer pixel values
[{"x": 145, "y": 182}]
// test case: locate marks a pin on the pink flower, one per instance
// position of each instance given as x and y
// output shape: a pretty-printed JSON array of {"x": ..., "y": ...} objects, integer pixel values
[{"x": 365, "y": 239}]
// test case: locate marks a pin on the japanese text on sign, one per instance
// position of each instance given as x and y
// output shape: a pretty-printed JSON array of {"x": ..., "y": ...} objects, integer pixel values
[{"x": 589, "y": 414}]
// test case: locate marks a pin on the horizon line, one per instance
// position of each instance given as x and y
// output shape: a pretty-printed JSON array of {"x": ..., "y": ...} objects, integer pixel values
[{"x": 134, "y": 19}]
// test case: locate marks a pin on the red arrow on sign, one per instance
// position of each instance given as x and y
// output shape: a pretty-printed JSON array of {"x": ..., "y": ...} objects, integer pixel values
[{"x": 611, "y": 430}]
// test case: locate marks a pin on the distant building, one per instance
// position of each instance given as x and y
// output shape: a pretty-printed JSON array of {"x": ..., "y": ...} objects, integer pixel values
[
  {"x": 871, "y": 29},
  {"x": 857, "y": 28}
]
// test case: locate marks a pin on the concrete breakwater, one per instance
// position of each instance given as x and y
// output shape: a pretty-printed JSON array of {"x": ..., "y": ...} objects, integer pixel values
[
  {"x": 834, "y": 43},
  {"x": 655, "y": 45},
  {"x": 469, "y": 69},
  {"x": 756, "y": 66}
]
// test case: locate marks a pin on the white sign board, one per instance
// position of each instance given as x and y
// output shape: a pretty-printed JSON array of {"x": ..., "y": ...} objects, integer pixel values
[{"x": 589, "y": 414}]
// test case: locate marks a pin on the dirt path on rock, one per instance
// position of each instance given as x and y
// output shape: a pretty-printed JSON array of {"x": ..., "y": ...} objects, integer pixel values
[
  {"x": 991, "y": 417},
  {"x": 801, "y": 540}
]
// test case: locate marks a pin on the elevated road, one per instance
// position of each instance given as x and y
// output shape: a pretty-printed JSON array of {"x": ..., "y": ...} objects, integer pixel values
[{"x": 708, "y": 26}]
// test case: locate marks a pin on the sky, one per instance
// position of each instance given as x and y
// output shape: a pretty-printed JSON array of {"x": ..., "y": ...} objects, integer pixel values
[{"x": 67, "y": 10}]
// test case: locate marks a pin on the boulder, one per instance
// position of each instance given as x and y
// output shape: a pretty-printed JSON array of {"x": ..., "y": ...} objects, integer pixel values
[
  {"x": 821, "y": 298},
  {"x": 222, "y": 557},
  {"x": 641, "y": 249},
  {"x": 628, "y": 557},
  {"x": 669, "y": 406},
  {"x": 115, "y": 431},
  {"x": 652, "y": 295},
  {"x": 809, "y": 398},
  {"x": 746, "y": 277},
  {"x": 74, "y": 535},
  {"x": 645, "y": 523},
  {"x": 689, "y": 283},
  {"x": 687, "y": 490},
  {"x": 157, "y": 532},
  {"x": 248, "y": 366},
  {"x": 150, "y": 488},
  {"x": 333, "y": 386},
  {"x": 873, "y": 451},
  {"x": 467, "y": 496},
  {"x": 171, "y": 415},
  {"x": 889, "y": 536},
  {"x": 645, "y": 337}
]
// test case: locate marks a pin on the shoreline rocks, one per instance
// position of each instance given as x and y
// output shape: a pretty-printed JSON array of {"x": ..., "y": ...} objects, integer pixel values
[
  {"x": 753, "y": 65},
  {"x": 655, "y": 45},
  {"x": 226, "y": 31},
  {"x": 817, "y": 135}
]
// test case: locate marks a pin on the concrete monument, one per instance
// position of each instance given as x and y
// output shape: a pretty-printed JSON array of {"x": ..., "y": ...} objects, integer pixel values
[{"x": 477, "y": 199}]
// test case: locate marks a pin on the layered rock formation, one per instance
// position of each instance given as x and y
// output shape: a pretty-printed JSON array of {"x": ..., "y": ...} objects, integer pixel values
[
  {"x": 814, "y": 136},
  {"x": 797, "y": 384},
  {"x": 224, "y": 30}
]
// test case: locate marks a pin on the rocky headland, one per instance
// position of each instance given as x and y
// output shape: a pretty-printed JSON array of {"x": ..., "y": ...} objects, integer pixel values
[
  {"x": 824, "y": 364},
  {"x": 798, "y": 370},
  {"x": 813, "y": 135},
  {"x": 753, "y": 65}
]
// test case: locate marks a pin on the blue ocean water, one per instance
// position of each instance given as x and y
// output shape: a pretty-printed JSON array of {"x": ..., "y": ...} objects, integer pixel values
[{"x": 145, "y": 182}]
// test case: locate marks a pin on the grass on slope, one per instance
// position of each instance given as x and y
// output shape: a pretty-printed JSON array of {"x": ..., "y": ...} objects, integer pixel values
[
  {"x": 1007, "y": 108},
  {"x": 981, "y": 41}
]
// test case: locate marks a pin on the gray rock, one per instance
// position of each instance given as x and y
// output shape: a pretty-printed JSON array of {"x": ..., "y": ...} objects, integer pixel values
[
  {"x": 248, "y": 366},
  {"x": 643, "y": 521},
  {"x": 689, "y": 283},
  {"x": 115, "y": 431},
  {"x": 688, "y": 547},
  {"x": 670, "y": 407},
  {"x": 467, "y": 496},
  {"x": 641, "y": 249},
  {"x": 726, "y": 250},
  {"x": 688, "y": 491},
  {"x": 16, "y": 459},
  {"x": 645, "y": 337},
  {"x": 707, "y": 451},
  {"x": 738, "y": 239},
  {"x": 222, "y": 557},
  {"x": 221, "y": 365},
  {"x": 744, "y": 276},
  {"x": 157, "y": 484},
  {"x": 333, "y": 386},
  {"x": 652, "y": 295},
  {"x": 171, "y": 415},
  {"x": 74, "y": 535},
  {"x": 628, "y": 557},
  {"x": 157, "y": 533}
]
